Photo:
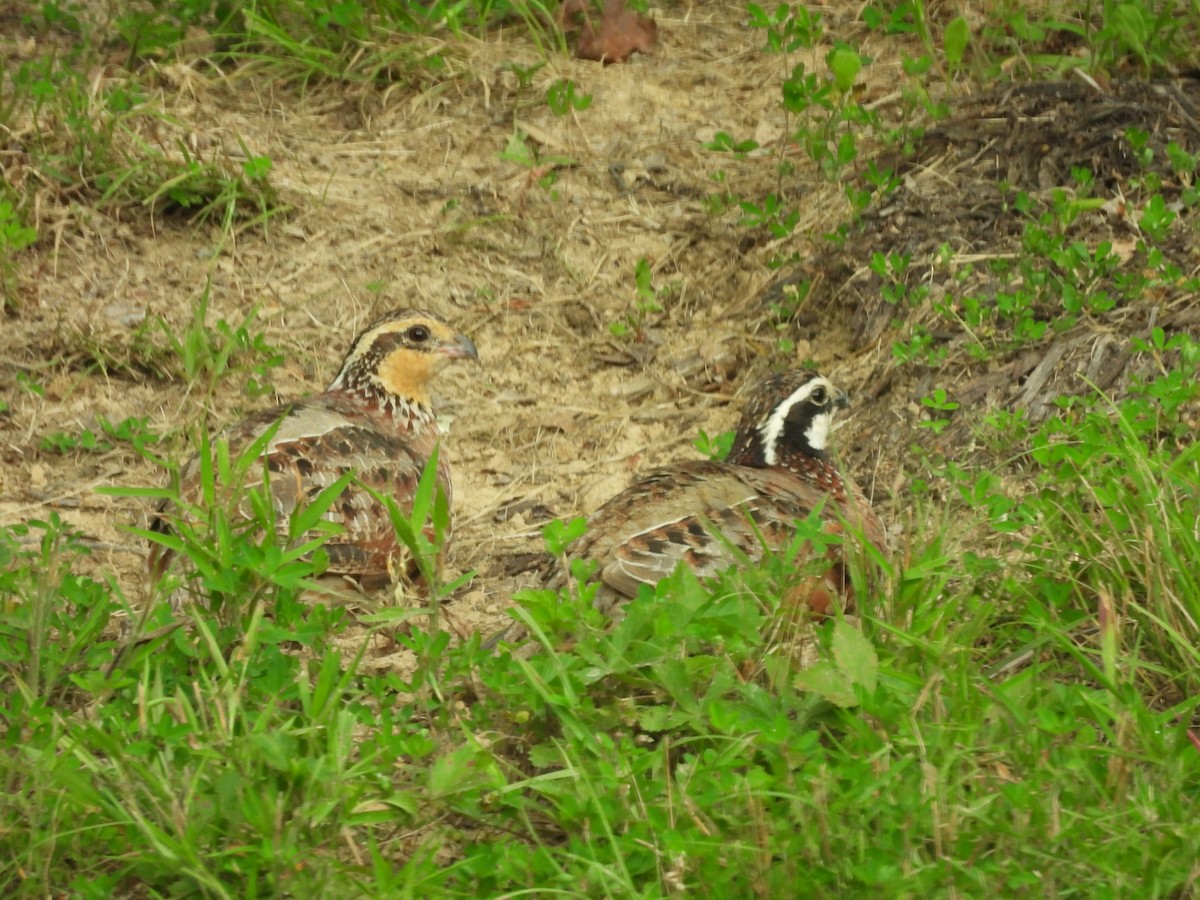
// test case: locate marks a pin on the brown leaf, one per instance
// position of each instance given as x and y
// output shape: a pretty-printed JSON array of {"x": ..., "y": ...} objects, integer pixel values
[{"x": 620, "y": 34}]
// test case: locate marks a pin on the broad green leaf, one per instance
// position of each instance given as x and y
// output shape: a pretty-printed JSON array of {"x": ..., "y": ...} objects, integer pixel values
[
  {"x": 955, "y": 41},
  {"x": 560, "y": 533},
  {"x": 845, "y": 66},
  {"x": 518, "y": 151},
  {"x": 855, "y": 655},
  {"x": 828, "y": 682},
  {"x": 661, "y": 718},
  {"x": 464, "y": 770}
]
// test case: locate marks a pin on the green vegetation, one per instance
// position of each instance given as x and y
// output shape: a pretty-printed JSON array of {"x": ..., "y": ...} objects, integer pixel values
[
  {"x": 1007, "y": 713},
  {"x": 563, "y": 99},
  {"x": 1017, "y": 713},
  {"x": 201, "y": 354},
  {"x": 108, "y": 143},
  {"x": 15, "y": 236},
  {"x": 210, "y": 354},
  {"x": 648, "y": 302},
  {"x": 542, "y": 168},
  {"x": 134, "y": 431}
]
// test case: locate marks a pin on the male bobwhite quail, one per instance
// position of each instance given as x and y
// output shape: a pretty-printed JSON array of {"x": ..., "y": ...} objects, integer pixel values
[
  {"x": 374, "y": 419},
  {"x": 778, "y": 471}
]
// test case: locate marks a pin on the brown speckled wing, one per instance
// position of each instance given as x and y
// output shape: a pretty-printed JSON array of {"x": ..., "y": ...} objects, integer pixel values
[
  {"x": 640, "y": 534},
  {"x": 301, "y": 469},
  {"x": 669, "y": 516},
  {"x": 857, "y": 510},
  {"x": 316, "y": 443}
]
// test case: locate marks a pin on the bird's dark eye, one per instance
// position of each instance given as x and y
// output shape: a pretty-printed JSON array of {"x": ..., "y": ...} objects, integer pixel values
[
  {"x": 418, "y": 334},
  {"x": 819, "y": 396}
]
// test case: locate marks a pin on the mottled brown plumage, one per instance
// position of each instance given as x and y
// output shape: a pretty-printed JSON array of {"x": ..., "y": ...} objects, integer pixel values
[
  {"x": 374, "y": 419},
  {"x": 778, "y": 471}
]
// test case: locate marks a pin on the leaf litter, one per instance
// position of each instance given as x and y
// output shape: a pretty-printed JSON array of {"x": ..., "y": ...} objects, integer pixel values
[{"x": 620, "y": 32}]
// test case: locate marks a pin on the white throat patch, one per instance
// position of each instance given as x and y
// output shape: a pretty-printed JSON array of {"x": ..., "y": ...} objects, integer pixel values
[{"x": 818, "y": 432}]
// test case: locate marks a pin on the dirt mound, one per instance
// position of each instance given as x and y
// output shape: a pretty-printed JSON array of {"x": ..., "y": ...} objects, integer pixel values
[{"x": 1059, "y": 171}]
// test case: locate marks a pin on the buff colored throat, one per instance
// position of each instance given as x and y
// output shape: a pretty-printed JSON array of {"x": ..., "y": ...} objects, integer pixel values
[{"x": 407, "y": 373}]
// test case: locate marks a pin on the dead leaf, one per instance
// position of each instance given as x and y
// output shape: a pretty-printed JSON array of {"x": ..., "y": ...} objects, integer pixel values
[{"x": 620, "y": 34}]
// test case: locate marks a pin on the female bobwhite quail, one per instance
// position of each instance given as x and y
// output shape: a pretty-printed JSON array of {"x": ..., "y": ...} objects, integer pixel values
[
  {"x": 374, "y": 419},
  {"x": 778, "y": 471}
]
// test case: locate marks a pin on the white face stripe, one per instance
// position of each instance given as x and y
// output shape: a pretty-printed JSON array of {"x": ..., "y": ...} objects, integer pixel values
[{"x": 818, "y": 432}]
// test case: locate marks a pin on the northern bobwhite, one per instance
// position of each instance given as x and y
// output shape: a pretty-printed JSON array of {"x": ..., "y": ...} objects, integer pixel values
[
  {"x": 374, "y": 419},
  {"x": 778, "y": 471}
]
